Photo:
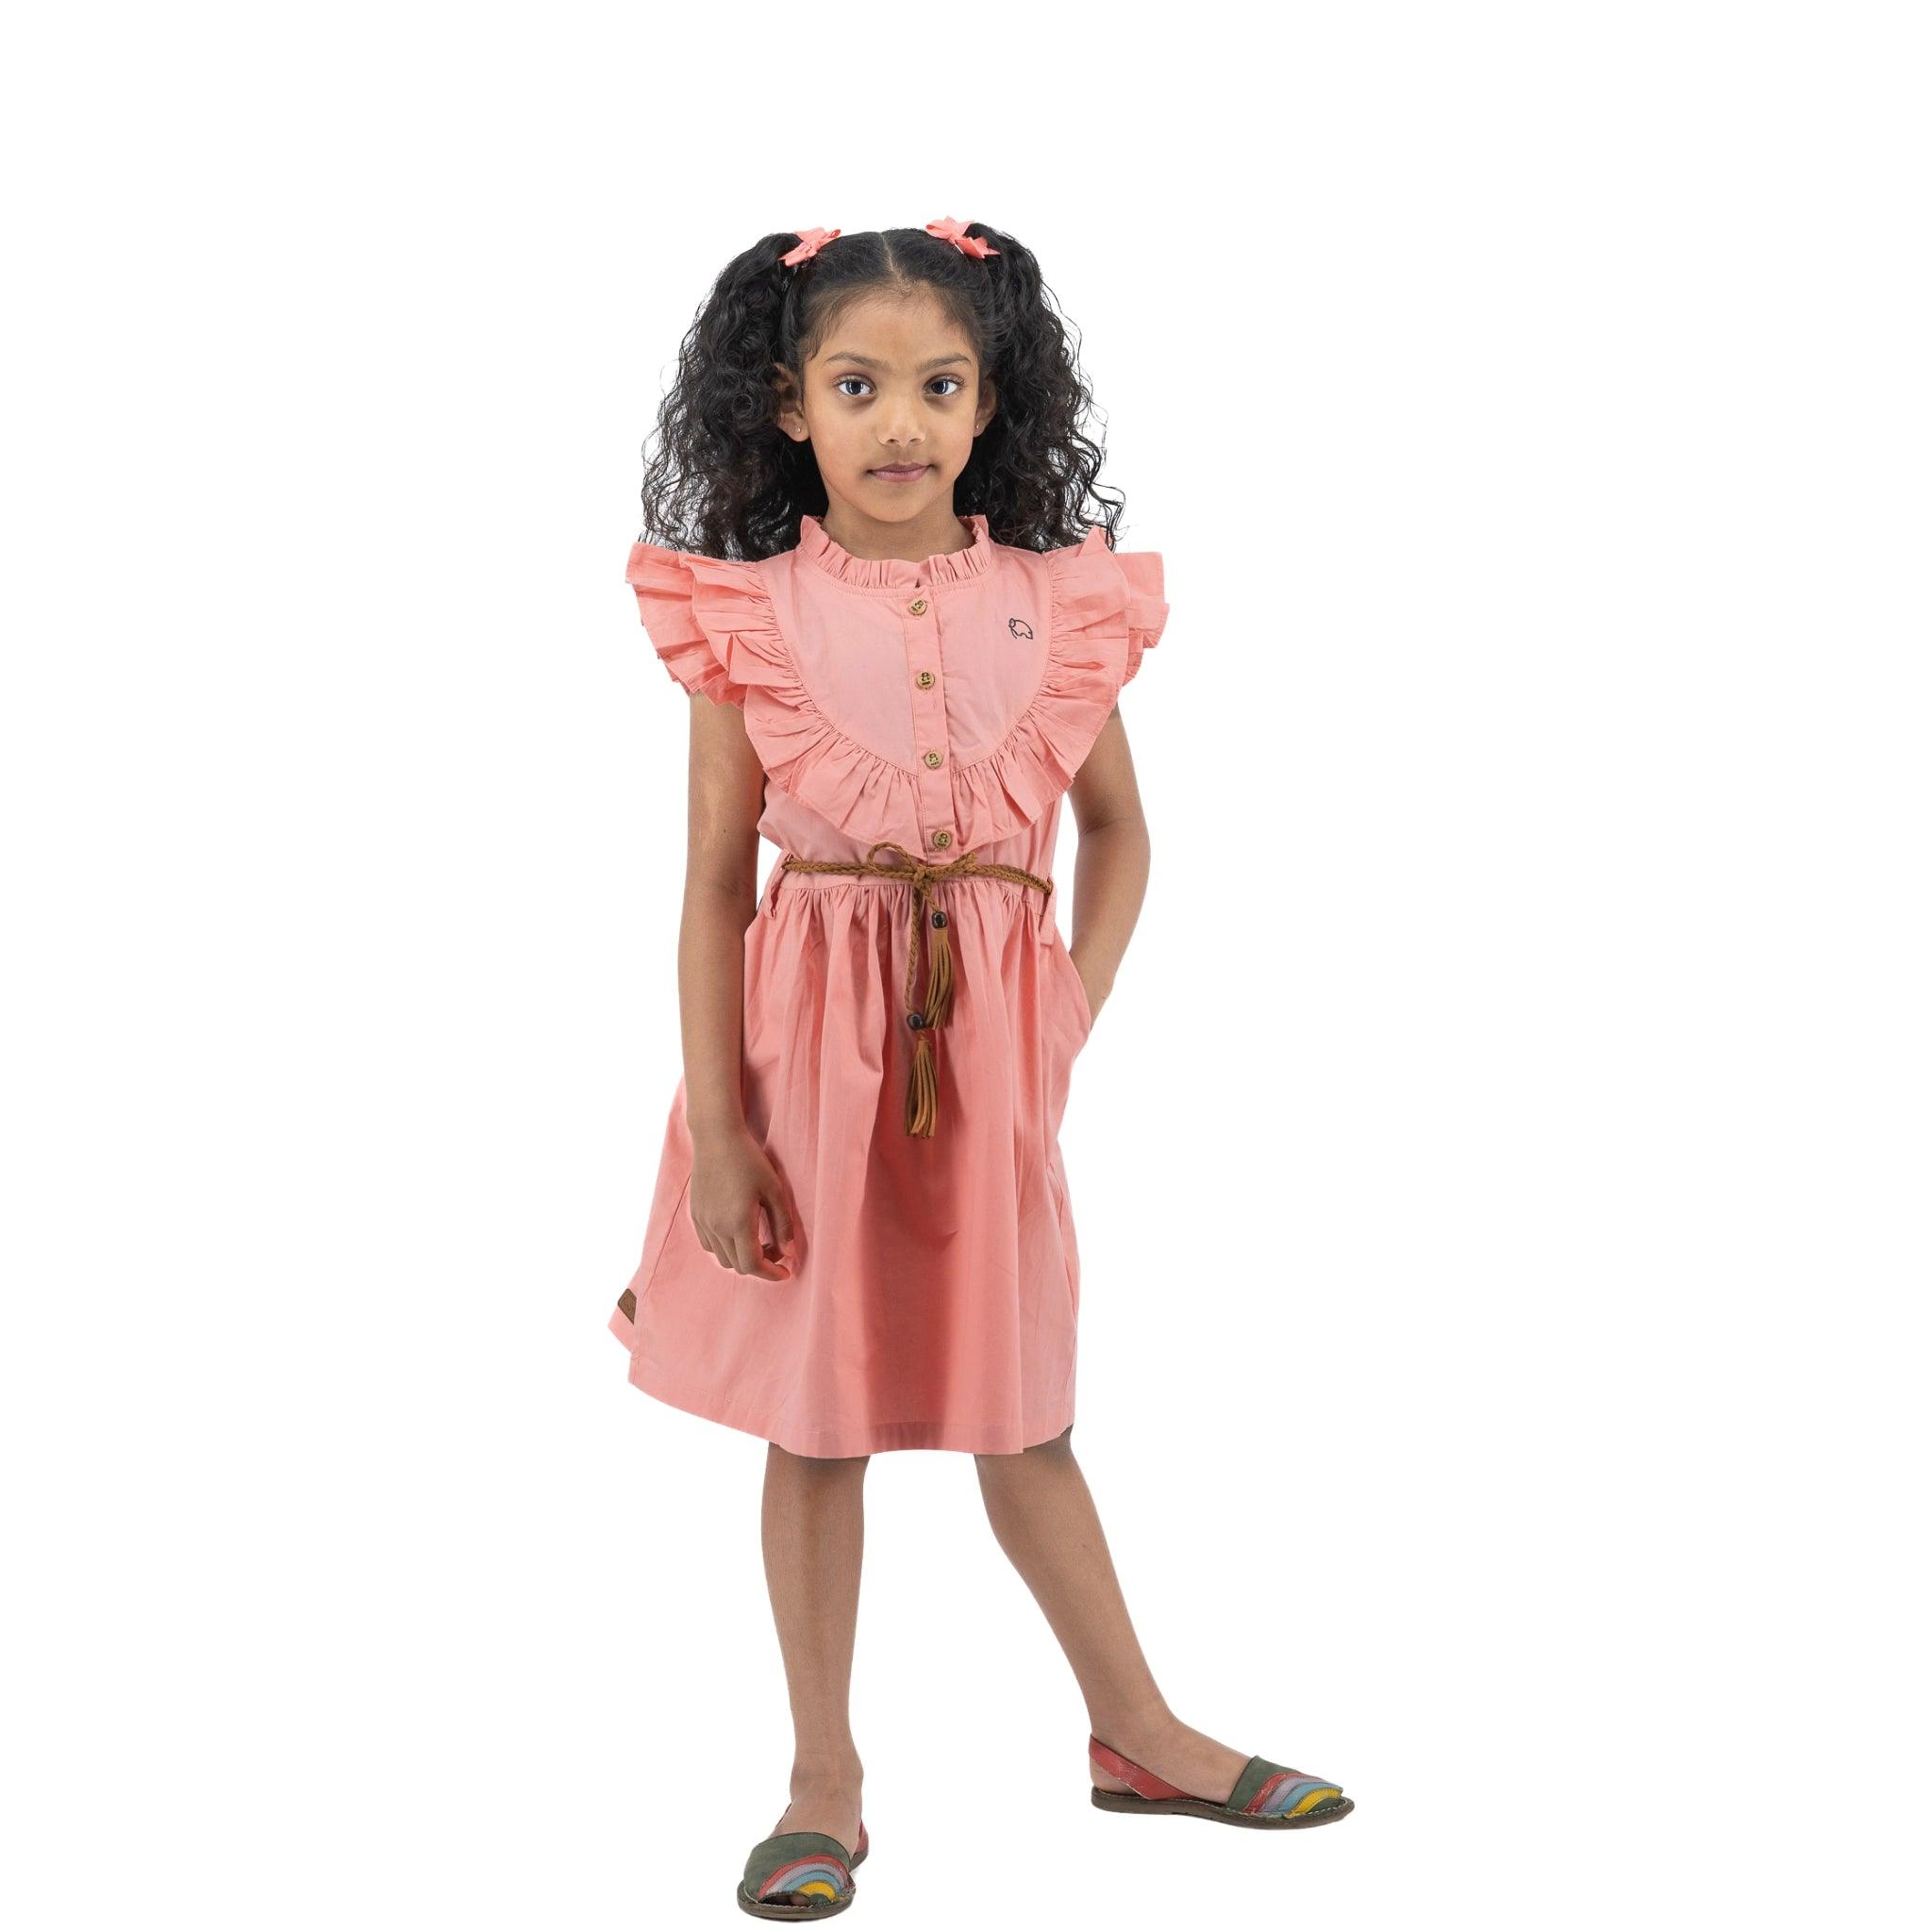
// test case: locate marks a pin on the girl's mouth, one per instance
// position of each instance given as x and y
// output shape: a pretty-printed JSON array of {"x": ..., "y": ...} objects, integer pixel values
[{"x": 900, "y": 473}]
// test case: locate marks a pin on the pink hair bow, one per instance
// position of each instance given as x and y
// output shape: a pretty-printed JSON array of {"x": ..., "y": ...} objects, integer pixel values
[
  {"x": 954, "y": 232},
  {"x": 809, "y": 241}
]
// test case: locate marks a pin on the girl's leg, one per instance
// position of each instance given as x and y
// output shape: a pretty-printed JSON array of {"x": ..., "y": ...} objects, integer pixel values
[
  {"x": 1044, "y": 1518},
  {"x": 814, "y": 1535}
]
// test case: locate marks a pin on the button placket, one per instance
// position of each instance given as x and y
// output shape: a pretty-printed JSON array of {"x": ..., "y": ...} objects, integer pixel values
[{"x": 920, "y": 618}]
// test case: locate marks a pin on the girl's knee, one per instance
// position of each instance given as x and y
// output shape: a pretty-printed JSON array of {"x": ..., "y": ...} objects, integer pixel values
[
  {"x": 1054, "y": 1445},
  {"x": 827, "y": 1463}
]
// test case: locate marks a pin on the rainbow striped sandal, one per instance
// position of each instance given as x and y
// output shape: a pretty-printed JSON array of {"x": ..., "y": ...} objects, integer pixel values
[
  {"x": 1266, "y": 1793},
  {"x": 800, "y": 1875}
]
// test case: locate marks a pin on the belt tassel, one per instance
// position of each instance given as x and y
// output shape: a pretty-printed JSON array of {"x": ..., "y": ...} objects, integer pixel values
[
  {"x": 923, "y": 1085},
  {"x": 938, "y": 974},
  {"x": 922, "y": 1089}
]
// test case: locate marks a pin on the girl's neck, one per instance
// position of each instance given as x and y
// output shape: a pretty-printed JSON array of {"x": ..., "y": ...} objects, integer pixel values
[{"x": 939, "y": 533}]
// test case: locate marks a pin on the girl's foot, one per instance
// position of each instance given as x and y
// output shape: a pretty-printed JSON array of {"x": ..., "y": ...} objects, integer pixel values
[
  {"x": 827, "y": 1802},
  {"x": 1176, "y": 1752}
]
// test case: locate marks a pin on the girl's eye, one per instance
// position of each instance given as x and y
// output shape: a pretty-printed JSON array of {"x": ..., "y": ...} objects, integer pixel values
[{"x": 958, "y": 383}]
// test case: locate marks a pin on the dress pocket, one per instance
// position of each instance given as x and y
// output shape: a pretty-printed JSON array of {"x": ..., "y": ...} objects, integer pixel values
[
  {"x": 1076, "y": 986},
  {"x": 649, "y": 1271}
]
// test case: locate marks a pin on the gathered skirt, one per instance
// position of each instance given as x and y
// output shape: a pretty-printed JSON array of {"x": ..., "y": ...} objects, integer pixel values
[{"x": 935, "y": 1283}]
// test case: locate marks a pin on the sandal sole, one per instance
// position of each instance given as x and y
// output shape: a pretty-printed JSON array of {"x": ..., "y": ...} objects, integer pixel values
[{"x": 1200, "y": 1807}]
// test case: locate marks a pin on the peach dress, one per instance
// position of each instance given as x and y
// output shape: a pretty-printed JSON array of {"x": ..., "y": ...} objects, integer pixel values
[{"x": 945, "y": 706}]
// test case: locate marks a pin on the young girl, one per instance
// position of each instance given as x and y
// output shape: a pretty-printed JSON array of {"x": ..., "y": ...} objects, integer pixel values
[{"x": 872, "y": 575}]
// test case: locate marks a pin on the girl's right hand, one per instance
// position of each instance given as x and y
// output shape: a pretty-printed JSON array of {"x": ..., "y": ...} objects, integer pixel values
[{"x": 731, "y": 1179}]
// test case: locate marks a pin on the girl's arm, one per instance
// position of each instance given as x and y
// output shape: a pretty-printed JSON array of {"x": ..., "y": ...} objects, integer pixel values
[
  {"x": 1110, "y": 862},
  {"x": 732, "y": 1174}
]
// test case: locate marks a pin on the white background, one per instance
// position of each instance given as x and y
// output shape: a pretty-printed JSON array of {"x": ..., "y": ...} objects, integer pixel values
[{"x": 1500, "y": 1171}]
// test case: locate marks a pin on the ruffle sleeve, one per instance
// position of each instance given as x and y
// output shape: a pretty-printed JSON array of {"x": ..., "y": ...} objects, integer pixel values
[
  {"x": 1146, "y": 603},
  {"x": 708, "y": 619},
  {"x": 713, "y": 626},
  {"x": 1108, "y": 608}
]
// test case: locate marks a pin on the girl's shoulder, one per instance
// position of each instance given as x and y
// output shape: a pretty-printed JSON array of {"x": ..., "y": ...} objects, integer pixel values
[
  {"x": 693, "y": 605},
  {"x": 1094, "y": 587}
]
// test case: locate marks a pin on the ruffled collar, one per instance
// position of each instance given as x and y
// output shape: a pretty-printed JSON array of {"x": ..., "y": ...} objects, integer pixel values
[{"x": 896, "y": 573}]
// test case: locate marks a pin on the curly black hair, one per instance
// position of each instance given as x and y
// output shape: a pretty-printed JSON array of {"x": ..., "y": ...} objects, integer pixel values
[{"x": 726, "y": 481}]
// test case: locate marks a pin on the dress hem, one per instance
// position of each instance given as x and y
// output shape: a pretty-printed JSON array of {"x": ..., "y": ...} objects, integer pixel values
[{"x": 961, "y": 1437}]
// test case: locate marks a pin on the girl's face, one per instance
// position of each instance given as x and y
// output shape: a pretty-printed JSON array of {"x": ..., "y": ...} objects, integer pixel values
[{"x": 891, "y": 406}]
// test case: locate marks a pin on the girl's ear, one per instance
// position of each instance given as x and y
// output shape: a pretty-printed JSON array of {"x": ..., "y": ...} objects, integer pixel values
[
  {"x": 988, "y": 410},
  {"x": 788, "y": 410}
]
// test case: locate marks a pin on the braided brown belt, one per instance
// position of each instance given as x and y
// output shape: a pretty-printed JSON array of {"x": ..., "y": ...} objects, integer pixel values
[{"x": 922, "y": 1090}]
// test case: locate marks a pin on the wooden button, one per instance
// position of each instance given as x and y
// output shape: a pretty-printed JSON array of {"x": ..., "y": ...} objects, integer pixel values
[
  {"x": 942, "y": 839},
  {"x": 925, "y": 680},
  {"x": 917, "y": 606},
  {"x": 935, "y": 759}
]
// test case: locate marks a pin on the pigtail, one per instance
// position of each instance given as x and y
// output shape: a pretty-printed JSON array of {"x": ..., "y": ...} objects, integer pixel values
[
  {"x": 724, "y": 476},
  {"x": 1044, "y": 401}
]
